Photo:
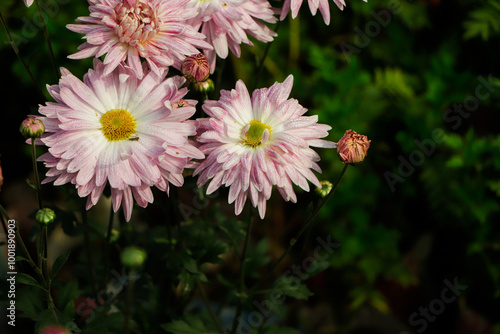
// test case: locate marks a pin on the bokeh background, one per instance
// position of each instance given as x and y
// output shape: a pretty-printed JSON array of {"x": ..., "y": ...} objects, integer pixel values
[{"x": 420, "y": 79}]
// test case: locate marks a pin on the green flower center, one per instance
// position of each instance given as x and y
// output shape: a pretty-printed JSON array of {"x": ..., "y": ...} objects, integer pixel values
[
  {"x": 118, "y": 124},
  {"x": 255, "y": 132}
]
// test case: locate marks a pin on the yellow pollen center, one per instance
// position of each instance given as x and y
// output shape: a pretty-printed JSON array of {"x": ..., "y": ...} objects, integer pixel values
[
  {"x": 255, "y": 132},
  {"x": 118, "y": 124}
]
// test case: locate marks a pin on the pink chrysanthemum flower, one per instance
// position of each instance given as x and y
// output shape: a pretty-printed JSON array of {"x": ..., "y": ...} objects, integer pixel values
[
  {"x": 314, "y": 5},
  {"x": 254, "y": 143},
  {"x": 129, "y": 29},
  {"x": 120, "y": 130},
  {"x": 227, "y": 23}
]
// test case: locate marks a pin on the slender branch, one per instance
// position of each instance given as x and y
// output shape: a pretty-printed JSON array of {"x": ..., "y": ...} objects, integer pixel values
[
  {"x": 106, "y": 247},
  {"x": 209, "y": 307},
  {"x": 18, "y": 55},
  {"x": 88, "y": 251},
  {"x": 301, "y": 231},
  {"x": 47, "y": 39},
  {"x": 239, "y": 309},
  {"x": 37, "y": 177},
  {"x": 24, "y": 249},
  {"x": 128, "y": 302},
  {"x": 262, "y": 61}
]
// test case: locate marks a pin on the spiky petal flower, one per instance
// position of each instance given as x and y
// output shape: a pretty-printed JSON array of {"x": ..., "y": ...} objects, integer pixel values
[
  {"x": 129, "y": 29},
  {"x": 314, "y": 5},
  {"x": 254, "y": 143},
  {"x": 119, "y": 130},
  {"x": 226, "y": 23}
]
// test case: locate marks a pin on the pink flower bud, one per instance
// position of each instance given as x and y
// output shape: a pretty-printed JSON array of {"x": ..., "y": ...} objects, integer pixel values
[
  {"x": 32, "y": 128},
  {"x": 196, "y": 68},
  {"x": 53, "y": 329},
  {"x": 352, "y": 147}
]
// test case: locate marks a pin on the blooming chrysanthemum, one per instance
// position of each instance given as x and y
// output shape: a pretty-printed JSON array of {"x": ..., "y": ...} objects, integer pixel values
[
  {"x": 130, "y": 29},
  {"x": 226, "y": 24},
  {"x": 120, "y": 130},
  {"x": 314, "y": 5},
  {"x": 254, "y": 143}
]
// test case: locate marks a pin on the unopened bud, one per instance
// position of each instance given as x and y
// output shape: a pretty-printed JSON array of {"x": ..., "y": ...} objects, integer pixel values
[
  {"x": 32, "y": 128},
  {"x": 206, "y": 86},
  {"x": 45, "y": 216},
  {"x": 53, "y": 329},
  {"x": 133, "y": 257},
  {"x": 196, "y": 68},
  {"x": 326, "y": 187},
  {"x": 28, "y": 2},
  {"x": 352, "y": 147}
]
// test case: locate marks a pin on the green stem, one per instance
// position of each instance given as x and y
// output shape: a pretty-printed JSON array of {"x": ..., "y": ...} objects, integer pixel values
[
  {"x": 37, "y": 177},
  {"x": 128, "y": 302},
  {"x": 301, "y": 231},
  {"x": 107, "y": 245},
  {"x": 18, "y": 55},
  {"x": 88, "y": 251},
  {"x": 236, "y": 320},
  {"x": 25, "y": 251},
  {"x": 47, "y": 39},
  {"x": 209, "y": 307},
  {"x": 262, "y": 61}
]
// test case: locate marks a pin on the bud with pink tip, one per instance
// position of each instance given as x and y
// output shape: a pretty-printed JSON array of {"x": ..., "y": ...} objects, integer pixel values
[
  {"x": 196, "y": 68},
  {"x": 53, "y": 329},
  {"x": 352, "y": 147},
  {"x": 32, "y": 128}
]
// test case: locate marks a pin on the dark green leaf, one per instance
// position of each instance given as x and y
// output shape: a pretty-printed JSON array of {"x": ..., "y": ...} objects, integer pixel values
[
  {"x": 58, "y": 264},
  {"x": 28, "y": 280}
]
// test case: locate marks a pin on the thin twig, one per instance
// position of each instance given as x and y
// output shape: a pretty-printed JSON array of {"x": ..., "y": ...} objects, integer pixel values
[
  {"x": 304, "y": 228},
  {"x": 47, "y": 40},
  {"x": 18, "y": 55}
]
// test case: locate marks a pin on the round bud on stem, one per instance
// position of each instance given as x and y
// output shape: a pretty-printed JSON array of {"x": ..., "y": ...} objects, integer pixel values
[
  {"x": 133, "y": 257},
  {"x": 206, "y": 86},
  {"x": 32, "y": 128},
  {"x": 195, "y": 68},
  {"x": 352, "y": 147},
  {"x": 45, "y": 216}
]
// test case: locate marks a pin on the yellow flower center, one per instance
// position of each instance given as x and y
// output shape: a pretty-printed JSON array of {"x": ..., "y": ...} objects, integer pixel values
[
  {"x": 255, "y": 132},
  {"x": 118, "y": 124}
]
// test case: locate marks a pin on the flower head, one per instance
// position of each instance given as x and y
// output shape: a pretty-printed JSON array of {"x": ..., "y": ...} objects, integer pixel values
[
  {"x": 352, "y": 147},
  {"x": 314, "y": 5},
  {"x": 32, "y": 127},
  {"x": 226, "y": 24},
  {"x": 45, "y": 216},
  {"x": 119, "y": 130},
  {"x": 324, "y": 190},
  {"x": 254, "y": 143},
  {"x": 195, "y": 68},
  {"x": 129, "y": 29},
  {"x": 28, "y": 3}
]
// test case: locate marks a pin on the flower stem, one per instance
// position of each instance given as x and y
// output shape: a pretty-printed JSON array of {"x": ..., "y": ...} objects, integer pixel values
[
  {"x": 262, "y": 61},
  {"x": 47, "y": 39},
  {"x": 236, "y": 320},
  {"x": 301, "y": 231},
  {"x": 128, "y": 302},
  {"x": 24, "y": 249},
  {"x": 37, "y": 177},
  {"x": 18, "y": 55},
  {"x": 88, "y": 251},
  {"x": 107, "y": 245},
  {"x": 209, "y": 307}
]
